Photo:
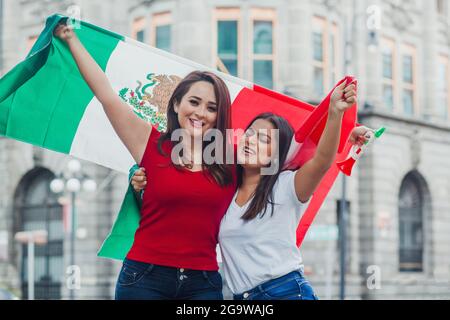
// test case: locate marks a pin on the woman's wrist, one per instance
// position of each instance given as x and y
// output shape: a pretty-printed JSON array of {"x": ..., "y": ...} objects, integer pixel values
[
  {"x": 335, "y": 113},
  {"x": 70, "y": 41}
]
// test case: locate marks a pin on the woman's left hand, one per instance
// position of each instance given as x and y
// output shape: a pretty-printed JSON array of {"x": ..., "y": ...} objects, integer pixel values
[
  {"x": 358, "y": 136},
  {"x": 343, "y": 97}
]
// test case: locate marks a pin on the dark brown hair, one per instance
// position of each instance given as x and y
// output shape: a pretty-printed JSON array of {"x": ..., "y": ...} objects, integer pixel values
[
  {"x": 264, "y": 191},
  {"x": 220, "y": 172}
]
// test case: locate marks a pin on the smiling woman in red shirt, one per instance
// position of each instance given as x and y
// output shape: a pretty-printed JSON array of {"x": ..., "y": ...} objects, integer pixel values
[{"x": 174, "y": 251}]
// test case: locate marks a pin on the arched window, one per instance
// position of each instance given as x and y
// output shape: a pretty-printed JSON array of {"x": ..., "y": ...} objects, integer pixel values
[
  {"x": 411, "y": 209},
  {"x": 38, "y": 209}
]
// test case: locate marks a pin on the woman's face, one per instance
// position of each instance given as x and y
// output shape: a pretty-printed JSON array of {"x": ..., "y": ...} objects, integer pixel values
[
  {"x": 197, "y": 111},
  {"x": 256, "y": 145}
]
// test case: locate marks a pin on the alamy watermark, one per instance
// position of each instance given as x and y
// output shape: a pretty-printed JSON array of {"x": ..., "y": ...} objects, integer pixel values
[
  {"x": 254, "y": 147},
  {"x": 374, "y": 279},
  {"x": 73, "y": 281}
]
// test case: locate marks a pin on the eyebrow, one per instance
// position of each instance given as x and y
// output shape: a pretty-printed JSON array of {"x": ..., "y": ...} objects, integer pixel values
[
  {"x": 264, "y": 134},
  {"x": 261, "y": 132},
  {"x": 210, "y": 102}
]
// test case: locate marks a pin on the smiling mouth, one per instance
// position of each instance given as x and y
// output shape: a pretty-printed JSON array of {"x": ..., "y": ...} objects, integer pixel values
[
  {"x": 248, "y": 151},
  {"x": 196, "y": 123}
]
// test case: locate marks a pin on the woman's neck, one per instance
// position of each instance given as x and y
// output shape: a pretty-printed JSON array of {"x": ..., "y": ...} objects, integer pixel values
[
  {"x": 193, "y": 152},
  {"x": 250, "y": 179}
]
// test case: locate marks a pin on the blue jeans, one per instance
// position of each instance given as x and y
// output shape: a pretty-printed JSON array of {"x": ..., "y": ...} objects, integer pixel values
[
  {"x": 292, "y": 286},
  {"x": 143, "y": 281}
]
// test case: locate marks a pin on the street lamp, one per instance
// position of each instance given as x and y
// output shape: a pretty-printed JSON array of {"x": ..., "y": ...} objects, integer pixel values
[
  {"x": 31, "y": 238},
  {"x": 73, "y": 182}
]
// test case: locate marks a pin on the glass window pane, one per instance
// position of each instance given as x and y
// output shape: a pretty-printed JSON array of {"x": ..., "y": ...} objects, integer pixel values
[
  {"x": 440, "y": 5},
  {"x": 387, "y": 65},
  {"x": 228, "y": 45},
  {"x": 443, "y": 90},
  {"x": 411, "y": 226},
  {"x": 263, "y": 73},
  {"x": 57, "y": 268},
  {"x": 318, "y": 46},
  {"x": 408, "y": 69},
  {"x": 34, "y": 225},
  {"x": 262, "y": 37},
  {"x": 408, "y": 102},
  {"x": 56, "y": 230},
  {"x": 442, "y": 77},
  {"x": 332, "y": 51},
  {"x": 333, "y": 79},
  {"x": 388, "y": 97},
  {"x": 163, "y": 37},
  {"x": 443, "y": 107},
  {"x": 231, "y": 66},
  {"x": 227, "y": 37},
  {"x": 140, "y": 36},
  {"x": 333, "y": 76},
  {"x": 39, "y": 268},
  {"x": 318, "y": 81}
]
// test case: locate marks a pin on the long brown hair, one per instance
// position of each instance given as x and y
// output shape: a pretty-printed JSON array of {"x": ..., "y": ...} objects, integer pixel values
[
  {"x": 220, "y": 172},
  {"x": 264, "y": 191}
]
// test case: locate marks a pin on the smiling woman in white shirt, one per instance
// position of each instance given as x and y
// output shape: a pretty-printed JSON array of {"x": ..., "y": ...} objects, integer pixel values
[{"x": 257, "y": 237}]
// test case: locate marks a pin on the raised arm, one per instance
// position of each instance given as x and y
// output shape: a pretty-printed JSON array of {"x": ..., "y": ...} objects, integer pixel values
[
  {"x": 133, "y": 131},
  {"x": 308, "y": 177}
]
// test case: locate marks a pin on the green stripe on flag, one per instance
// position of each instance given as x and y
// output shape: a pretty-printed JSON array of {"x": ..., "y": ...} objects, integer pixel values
[{"x": 43, "y": 99}]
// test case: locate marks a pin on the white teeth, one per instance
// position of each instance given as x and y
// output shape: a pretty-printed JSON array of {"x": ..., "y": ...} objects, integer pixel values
[
  {"x": 247, "y": 150},
  {"x": 196, "y": 123}
]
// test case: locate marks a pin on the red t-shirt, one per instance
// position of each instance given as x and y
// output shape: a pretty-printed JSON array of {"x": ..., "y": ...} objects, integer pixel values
[{"x": 181, "y": 213}]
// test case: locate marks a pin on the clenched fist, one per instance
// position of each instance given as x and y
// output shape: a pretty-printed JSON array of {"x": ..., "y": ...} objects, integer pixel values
[
  {"x": 139, "y": 180},
  {"x": 64, "y": 32},
  {"x": 343, "y": 97}
]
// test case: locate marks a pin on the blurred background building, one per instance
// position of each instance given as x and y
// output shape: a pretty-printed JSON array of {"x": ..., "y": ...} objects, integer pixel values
[{"x": 398, "y": 239}]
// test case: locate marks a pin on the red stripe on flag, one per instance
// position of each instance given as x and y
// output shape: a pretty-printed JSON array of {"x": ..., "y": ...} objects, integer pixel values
[{"x": 319, "y": 197}]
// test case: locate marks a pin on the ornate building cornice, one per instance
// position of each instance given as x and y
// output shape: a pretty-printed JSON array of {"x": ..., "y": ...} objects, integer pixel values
[
  {"x": 400, "y": 13},
  {"x": 44, "y": 8}
]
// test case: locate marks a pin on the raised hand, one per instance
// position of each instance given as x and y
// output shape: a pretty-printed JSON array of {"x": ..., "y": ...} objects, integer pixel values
[
  {"x": 64, "y": 32},
  {"x": 358, "y": 136},
  {"x": 343, "y": 97}
]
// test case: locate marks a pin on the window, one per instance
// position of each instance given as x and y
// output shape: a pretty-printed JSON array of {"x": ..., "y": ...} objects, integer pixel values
[
  {"x": 409, "y": 80},
  {"x": 138, "y": 29},
  {"x": 39, "y": 209},
  {"x": 334, "y": 55},
  {"x": 319, "y": 56},
  {"x": 440, "y": 6},
  {"x": 263, "y": 53},
  {"x": 227, "y": 52},
  {"x": 162, "y": 31},
  {"x": 388, "y": 54},
  {"x": 326, "y": 55},
  {"x": 410, "y": 226},
  {"x": 443, "y": 104}
]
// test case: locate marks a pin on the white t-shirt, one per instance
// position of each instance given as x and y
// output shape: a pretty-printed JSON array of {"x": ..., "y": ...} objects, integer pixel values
[{"x": 265, "y": 248}]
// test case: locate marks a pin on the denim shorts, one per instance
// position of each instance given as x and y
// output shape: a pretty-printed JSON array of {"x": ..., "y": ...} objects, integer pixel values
[
  {"x": 143, "y": 281},
  {"x": 292, "y": 286}
]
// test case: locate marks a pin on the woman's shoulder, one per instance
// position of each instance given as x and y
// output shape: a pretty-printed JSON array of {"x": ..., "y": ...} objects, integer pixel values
[
  {"x": 285, "y": 183},
  {"x": 287, "y": 174}
]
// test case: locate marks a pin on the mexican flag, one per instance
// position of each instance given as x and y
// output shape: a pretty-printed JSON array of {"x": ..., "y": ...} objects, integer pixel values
[{"x": 44, "y": 101}]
